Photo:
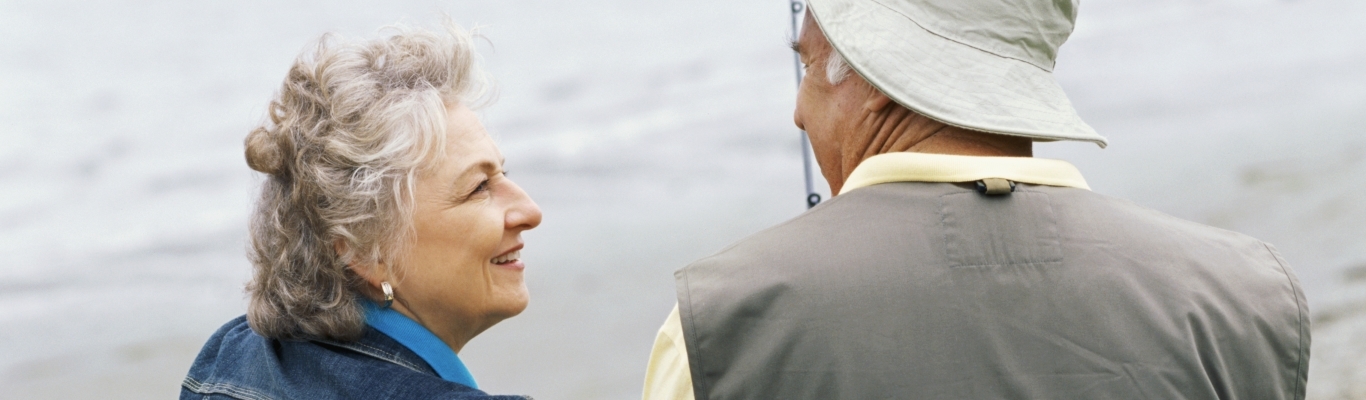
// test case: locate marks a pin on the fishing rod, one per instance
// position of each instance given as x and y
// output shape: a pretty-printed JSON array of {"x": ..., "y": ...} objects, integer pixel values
[{"x": 812, "y": 198}]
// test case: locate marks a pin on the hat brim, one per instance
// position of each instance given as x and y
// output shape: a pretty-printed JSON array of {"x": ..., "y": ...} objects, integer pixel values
[{"x": 946, "y": 80}]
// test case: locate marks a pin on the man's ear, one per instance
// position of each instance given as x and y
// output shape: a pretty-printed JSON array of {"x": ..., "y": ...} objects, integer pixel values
[{"x": 876, "y": 101}]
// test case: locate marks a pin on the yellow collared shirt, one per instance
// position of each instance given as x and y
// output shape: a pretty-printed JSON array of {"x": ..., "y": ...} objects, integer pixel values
[{"x": 668, "y": 377}]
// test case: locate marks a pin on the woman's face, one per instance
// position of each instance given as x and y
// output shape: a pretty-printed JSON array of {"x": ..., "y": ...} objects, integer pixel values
[{"x": 464, "y": 273}]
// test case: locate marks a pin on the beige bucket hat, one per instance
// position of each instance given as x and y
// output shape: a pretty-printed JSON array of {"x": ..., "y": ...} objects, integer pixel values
[{"x": 985, "y": 65}]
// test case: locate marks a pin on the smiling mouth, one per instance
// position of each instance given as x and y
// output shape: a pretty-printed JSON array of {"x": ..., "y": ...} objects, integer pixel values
[{"x": 507, "y": 258}]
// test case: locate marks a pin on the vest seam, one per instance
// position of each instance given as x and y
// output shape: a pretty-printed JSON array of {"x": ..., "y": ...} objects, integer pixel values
[
  {"x": 1299, "y": 309},
  {"x": 944, "y": 229},
  {"x": 691, "y": 327},
  {"x": 1004, "y": 265}
]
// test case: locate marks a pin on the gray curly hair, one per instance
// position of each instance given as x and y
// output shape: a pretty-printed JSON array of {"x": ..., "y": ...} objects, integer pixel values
[{"x": 350, "y": 129}]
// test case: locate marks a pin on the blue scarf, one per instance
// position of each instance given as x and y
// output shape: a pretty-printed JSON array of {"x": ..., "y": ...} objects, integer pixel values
[{"x": 421, "y": 341}]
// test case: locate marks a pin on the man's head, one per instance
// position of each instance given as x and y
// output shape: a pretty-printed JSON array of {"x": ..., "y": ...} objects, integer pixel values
[
  {"x": 967, "y": 77},
  {"x": 848, "y": 120}
]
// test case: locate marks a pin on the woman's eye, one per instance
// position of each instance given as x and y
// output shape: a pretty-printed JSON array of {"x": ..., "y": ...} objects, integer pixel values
[{"x": 483, "y": 187}]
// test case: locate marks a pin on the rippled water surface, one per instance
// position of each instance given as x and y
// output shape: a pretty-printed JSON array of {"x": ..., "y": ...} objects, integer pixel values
[{"x": 651, "y": 133}]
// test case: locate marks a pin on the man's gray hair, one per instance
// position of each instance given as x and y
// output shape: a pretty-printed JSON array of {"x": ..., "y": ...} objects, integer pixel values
[
  {"x": 352, "y": 126},
  {"x": 836, "y": 69}
]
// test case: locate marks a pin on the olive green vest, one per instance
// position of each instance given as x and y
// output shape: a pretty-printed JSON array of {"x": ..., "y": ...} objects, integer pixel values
[{"x": 935, "y": 291}]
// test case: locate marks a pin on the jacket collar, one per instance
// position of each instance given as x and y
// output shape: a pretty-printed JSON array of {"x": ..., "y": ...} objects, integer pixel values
[{"x": 416, "y": 338}]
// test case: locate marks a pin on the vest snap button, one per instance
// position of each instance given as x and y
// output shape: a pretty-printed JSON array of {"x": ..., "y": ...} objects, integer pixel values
[{"x": 995, "y": 187}]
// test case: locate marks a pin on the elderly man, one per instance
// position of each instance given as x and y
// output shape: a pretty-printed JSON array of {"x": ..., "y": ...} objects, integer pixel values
[{"x": 951, "y": 265}]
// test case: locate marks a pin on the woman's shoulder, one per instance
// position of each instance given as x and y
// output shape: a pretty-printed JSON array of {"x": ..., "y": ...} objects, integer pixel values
[{"x": 238, "y": 363}]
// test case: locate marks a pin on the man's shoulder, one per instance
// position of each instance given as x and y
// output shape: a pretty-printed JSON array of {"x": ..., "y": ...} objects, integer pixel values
[
  {"x": 909, "y": 217},
  {"x": 1098, "y": 215}
]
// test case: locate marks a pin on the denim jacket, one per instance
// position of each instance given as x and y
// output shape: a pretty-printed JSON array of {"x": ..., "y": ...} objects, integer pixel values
[{"x": 236, "y": 363}]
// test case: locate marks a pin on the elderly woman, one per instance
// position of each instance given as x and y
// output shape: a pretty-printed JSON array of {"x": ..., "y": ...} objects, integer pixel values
[{"x": 386, "y": 236}]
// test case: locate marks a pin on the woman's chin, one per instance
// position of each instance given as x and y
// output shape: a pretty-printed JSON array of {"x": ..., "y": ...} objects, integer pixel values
[
  {"x": 515, "y": 311},
  {"x": 513, "y": 302},
  {"x": 521, "y": 302},
  {"x": 508, "y": 295}
]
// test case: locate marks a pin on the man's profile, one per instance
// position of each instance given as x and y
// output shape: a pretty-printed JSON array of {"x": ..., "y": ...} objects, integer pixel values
[{"x": 951, "y": 264}]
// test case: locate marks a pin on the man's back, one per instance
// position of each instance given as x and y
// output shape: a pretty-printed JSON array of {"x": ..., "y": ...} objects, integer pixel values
[{"x": 932, "y": 290}]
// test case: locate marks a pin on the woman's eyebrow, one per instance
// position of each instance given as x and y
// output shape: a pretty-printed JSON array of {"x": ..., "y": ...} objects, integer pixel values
[{"x": 485, "y": 166}]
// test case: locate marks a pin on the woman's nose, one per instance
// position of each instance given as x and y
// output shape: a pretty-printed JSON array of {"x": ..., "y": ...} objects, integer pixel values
[{"x": 523, "y": 213}]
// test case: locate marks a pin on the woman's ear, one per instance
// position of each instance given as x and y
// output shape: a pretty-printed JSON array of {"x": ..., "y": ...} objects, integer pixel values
[{"x": 370, "y": 273}]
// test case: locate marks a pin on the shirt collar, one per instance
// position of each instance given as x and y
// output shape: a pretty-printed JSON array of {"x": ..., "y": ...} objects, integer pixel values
[
  {"x": 925, "y": 167},
  {"x": 421, "y": 341}
]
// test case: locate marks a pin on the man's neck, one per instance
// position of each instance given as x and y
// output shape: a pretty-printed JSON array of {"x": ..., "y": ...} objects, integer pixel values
[
  {"x": 964, "y": 142},
  {"x": 918, "y": 134}
]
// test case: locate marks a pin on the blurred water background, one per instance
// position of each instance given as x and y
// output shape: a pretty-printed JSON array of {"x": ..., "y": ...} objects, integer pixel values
[{"x": 651, "y": 134}]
